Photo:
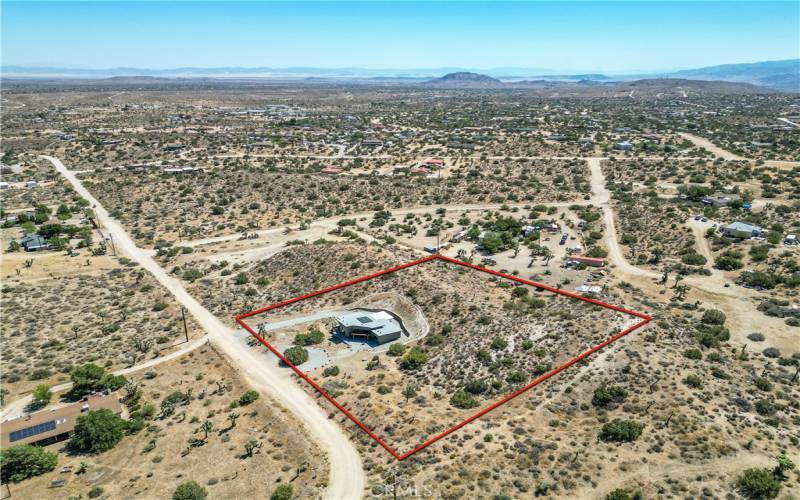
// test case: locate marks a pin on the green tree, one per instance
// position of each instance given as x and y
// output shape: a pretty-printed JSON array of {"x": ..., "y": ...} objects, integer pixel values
[
  {"x": 90, "y": 378},
  {"x": 189, "y": 491},
  {"x": 414, "y": 359},
  {"x": 296, "y": 355},
  {"x": 282, "y": 492},
  {"x": 463, "y": 400},
  {"x": 97, "y": 431},
  {"x": 21, "y": 462},
  {"x": 758, "y": 484},
  {"x": 42, "y": 395},
  {"x": 714, "y": 317},
  {"x": 621, "y": 431}
]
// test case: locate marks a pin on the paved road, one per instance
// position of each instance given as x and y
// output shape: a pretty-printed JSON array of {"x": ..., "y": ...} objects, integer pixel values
[{"x": 346, "y": 480}]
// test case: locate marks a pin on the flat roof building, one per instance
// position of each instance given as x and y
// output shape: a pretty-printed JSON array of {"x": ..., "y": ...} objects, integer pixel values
[
  {"x": 741, "y": 230},
  {"x": 50, "y": 426},
  {"x": 379, "y": 327}
]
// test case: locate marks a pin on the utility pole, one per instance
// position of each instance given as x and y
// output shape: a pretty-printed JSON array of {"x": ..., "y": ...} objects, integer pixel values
[{"x": 185, "y": 329}]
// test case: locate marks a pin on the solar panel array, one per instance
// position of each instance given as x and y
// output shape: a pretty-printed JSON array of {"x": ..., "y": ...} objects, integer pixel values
[{"x": 32, "y": 430}]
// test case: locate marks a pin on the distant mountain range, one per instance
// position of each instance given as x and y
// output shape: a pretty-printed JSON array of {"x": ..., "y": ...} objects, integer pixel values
[{"x": 781, "y": 75}]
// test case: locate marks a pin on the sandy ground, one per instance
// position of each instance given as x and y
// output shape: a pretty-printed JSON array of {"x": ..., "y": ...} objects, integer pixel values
[{"x": 346, "y": 473}]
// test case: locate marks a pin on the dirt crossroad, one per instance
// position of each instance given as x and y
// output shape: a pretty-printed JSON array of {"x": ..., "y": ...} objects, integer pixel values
[{"x": 346, "y": 475}]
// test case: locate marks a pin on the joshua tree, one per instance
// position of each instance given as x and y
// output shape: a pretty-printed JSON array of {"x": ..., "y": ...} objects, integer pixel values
[
  {"x": 207, "y": 427},
  {"x": 250, "y": 447},
  {"x": 232, "y": 419}
]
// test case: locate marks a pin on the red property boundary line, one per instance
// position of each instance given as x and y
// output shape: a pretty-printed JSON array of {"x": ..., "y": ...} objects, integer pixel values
[{"x": 240, "y": 319}]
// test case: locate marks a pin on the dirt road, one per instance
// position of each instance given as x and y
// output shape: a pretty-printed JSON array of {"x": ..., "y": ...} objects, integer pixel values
[
  {"x": 17, "y": 408},
  {"x": 710, "y": 146},
  {"x": 734, "y": 301},
  {"x": 346, "y": 475}
]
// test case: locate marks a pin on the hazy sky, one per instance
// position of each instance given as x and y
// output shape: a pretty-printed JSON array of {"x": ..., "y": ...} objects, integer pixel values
[{"x": 609, "y": 36}]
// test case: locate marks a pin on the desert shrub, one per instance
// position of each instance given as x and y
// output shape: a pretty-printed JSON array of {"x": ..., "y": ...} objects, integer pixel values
[
  {"x": 330, "y": 371},
  {"x": 765, "y": 407},
  {"x": 693, "y": 381},
  {"x": 756, "y": 337},
  {"x": 414, "y": 359},
  {"x": 282, "y": 492},
  {"x": 248, "y": 397},
  {"x": 297, "y": 355},
  {"x": 621, "y": 431},
  {"x": 396, "y": 349},
  {"x": 758, "y": 484},
  {"x": 713, "y": 317},
  {"x": 311, "y": 337},
  {"x": 609, "y": 396},
  {"x": 693, "y": 354},
  {"x": 763, "y": 384},
  {"x": 463, "y": 400},
  {"x": 477, "y": 386},
  {"x": 771, "y": 352},
  {"x": 499, "y": 343},
  {"x": 189, "y": 491}
]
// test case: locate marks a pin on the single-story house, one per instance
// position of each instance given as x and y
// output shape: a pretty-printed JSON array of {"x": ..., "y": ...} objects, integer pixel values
[
  {"x": 741, "y": 230},
  {"x": 720, "y": 199},
  {"x": 33, "y": 243},
  {"x": 623, "y": 146},
  {"x": 371, "y": 142},
  {"x": 791, "y": 239},
  {"x": 31, "y": 184},
  {"x": 171, "y": 148},
  {"x": 50, "y": 426},
  {"x": 377, "y": 326},
  {"x": 332, "y": 170}
]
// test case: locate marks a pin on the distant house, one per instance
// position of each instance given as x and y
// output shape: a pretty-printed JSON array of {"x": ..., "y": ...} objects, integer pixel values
[
  {"x": 741, "y": 230},
  {"x": 791, "y": 239},
  {"x": 761, "y": 145},
  {"x": 420, "y": 171},
  {"x": 33, "y": 243},
  {"x": 31, "y": 184},
  {"x": 590, "y": 290},
  {"x": 589, "y": 261},
  {"x": 372, "y": 142},
  {"x": 178, "y": 170},
  {"x": 379, "y": 327},
  {"x": 720, "y": 199},
  {"x": 172, "y": 148},
  {"x": 460, "y": 145},
  {"x": 50, "y": 426},
  {"x": 623, "y": 146},
  {"x": 4, "y": 185},
  {"x": 331, "y": 170}
]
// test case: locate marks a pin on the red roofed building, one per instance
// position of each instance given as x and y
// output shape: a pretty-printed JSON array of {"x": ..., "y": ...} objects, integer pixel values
[{"x": 332, "y": 170}]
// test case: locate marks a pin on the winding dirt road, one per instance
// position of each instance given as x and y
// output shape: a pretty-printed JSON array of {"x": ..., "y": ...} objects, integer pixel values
[{"x": 346, "y": 475}]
